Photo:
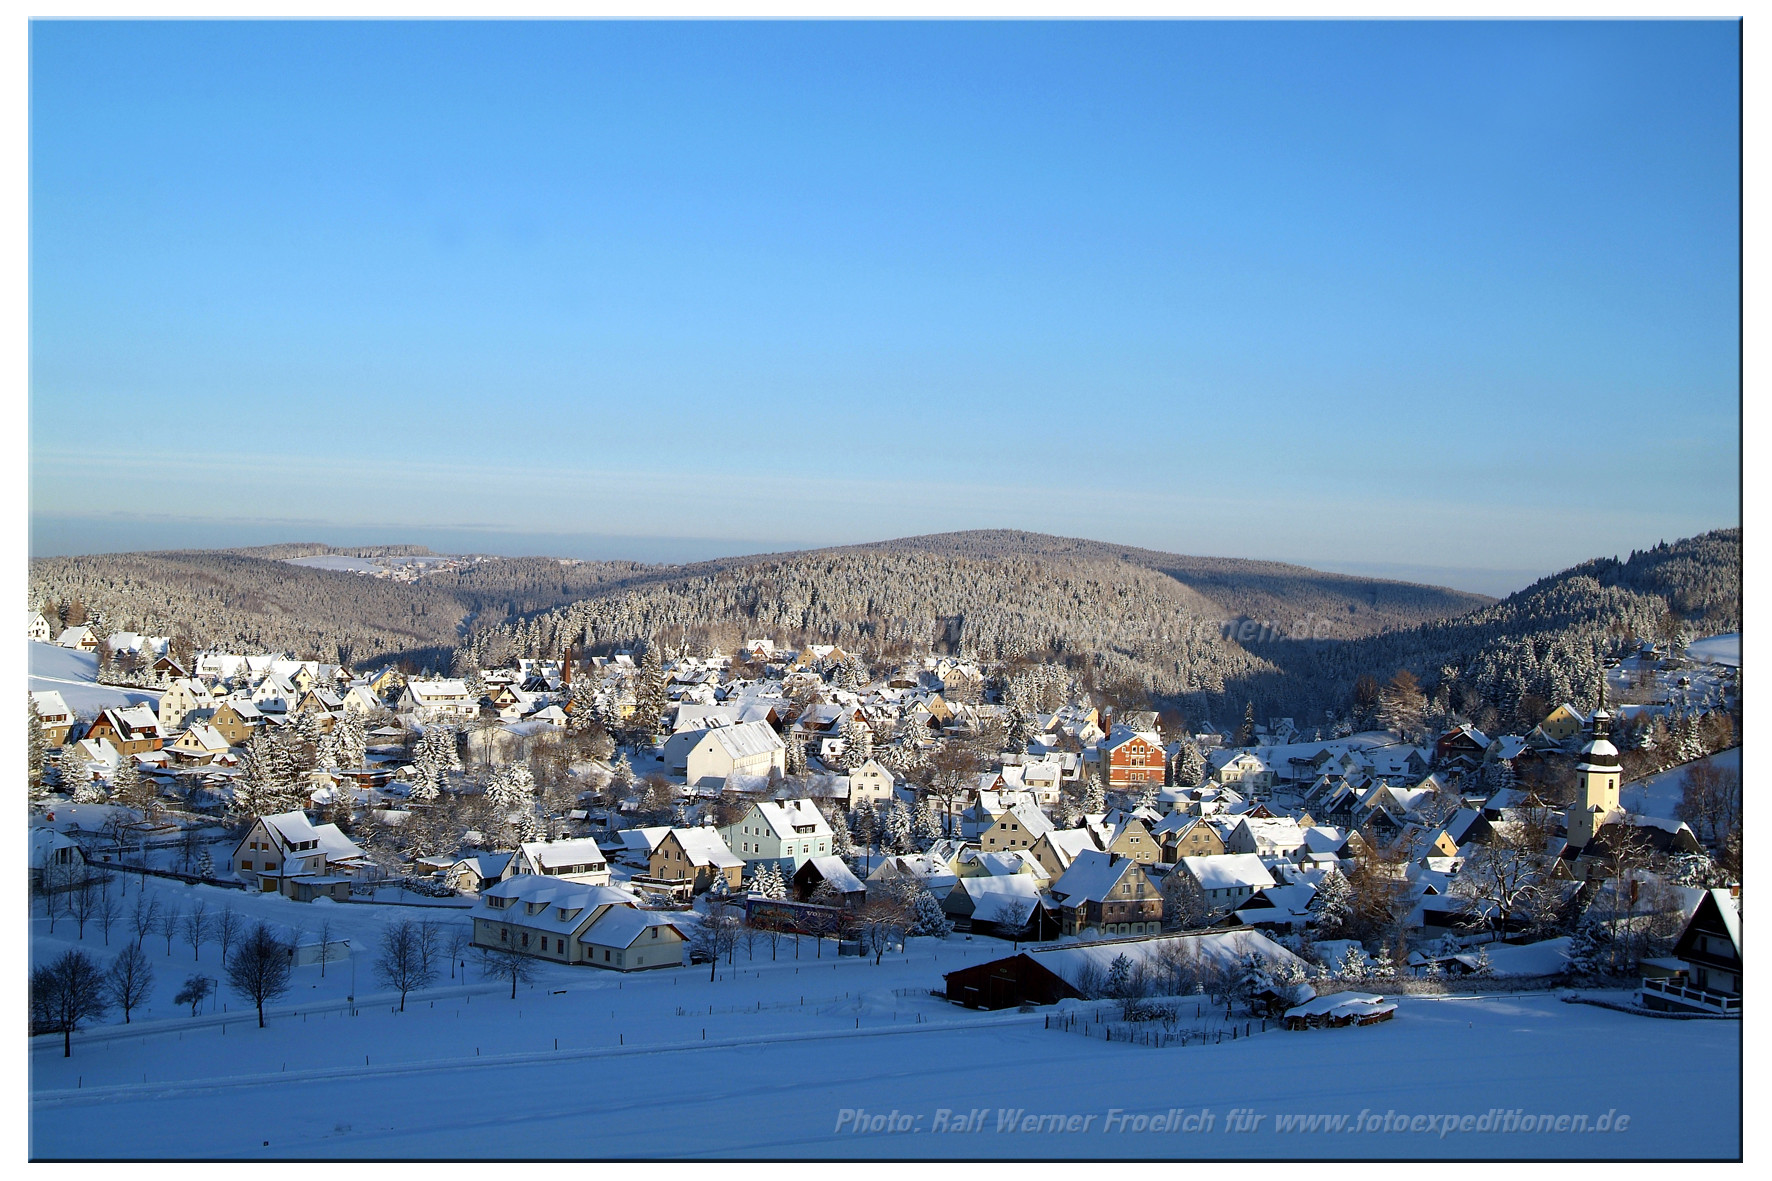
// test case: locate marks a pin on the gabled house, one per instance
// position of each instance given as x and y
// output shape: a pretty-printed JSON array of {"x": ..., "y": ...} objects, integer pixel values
[
  {"x": 1181, "y": 835},
  {"x": 787, "y": 833},
  {"x": 291, "y": 855},
  {"x": 54, "y": 716},
  {"x": 870, "y": 782},
  {"x": 236, "y": 719},
  {"x": 697, "y": 856},
  {"x": 819, "y": 872},
  {"x": 1001, "y": 905},
  {"x": 40, "y": 630},
  {"x": 1017, "y": 828},
  {"x": 1108, "y": 893},
  {"x": 442, "y": 700},
  {"x": 711, "y": 757},
  {"x": 577, "y": 859},
  {"x": 81, "y": 638},
  {"x": 471, "y": 874},
  {"x": 1056, "y": 850},
  {"x": 1709, "y": 957},
  {"x": 183, "y": 698},
  {"x": 1271, "y": 838},
  {"x": 199, "y": 745},
  {"x": 1227, "y": 881},
  {"x": 360, "y": 700},
  {"x": 575, "y": 923},
  {"x": 134, "y": 730}
]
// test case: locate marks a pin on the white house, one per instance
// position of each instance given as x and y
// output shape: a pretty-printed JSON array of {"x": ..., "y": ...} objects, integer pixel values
[
  {"x": 1228, "y": 880},
  {"x": 361, "y": 699},
  {"x": 41, "y": 630},
  {"x": 788, "y": 832},
  {"x": 871, "y": 782},
  {"x": 1269, "y": 837},
  {"x": 749, "y": 748},
  {"x": 184, "y": 697},
  {"x": 445, "y": 700},
  {"x": 577, "y": 859}
]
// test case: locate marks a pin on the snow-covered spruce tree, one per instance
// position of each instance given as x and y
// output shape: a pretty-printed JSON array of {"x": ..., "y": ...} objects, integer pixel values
[
  {"x": 1094, "y": 796},
  {"x": 87, "y": 790},
  {"x": 842, "y": 844},
  {"x": 865, "y": 825},
  {"x": 1332, "y": 906},
  {"x": 36, "y": 751},
  {"x": 927, "y": 917},
  {"x": 651, "y": 697},
  {"x": 350, "y": 743},
  {"x": 898, "y": 827},
  {"x": 926, "y": 823},
  {"x": 70, "y": 769},
  {"x": 1147, "y": 798},
  {"x": 1352, "y": 965}
]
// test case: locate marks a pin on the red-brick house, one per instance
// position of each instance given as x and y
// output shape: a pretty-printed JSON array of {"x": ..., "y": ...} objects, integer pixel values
[{"x": 1132, "y": 758}]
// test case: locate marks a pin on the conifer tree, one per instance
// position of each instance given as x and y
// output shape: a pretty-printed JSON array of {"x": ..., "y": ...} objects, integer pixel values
[
  {"x": 1190, "y": 765},
  {"x": 926, "y": 824},
  {"x": 898, "y": 827},
  {"x": 36, "y": 751}
]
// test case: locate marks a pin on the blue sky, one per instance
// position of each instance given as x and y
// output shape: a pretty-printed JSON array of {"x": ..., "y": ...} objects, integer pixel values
[{"x": 1439, "y": 300}]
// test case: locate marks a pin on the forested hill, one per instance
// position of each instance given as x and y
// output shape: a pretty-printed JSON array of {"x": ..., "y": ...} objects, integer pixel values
[
  {"x": 1191, "y": 633},
  {"x": 1239, "y": 588}
]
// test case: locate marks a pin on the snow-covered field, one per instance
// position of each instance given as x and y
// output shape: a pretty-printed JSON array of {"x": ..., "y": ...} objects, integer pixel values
[
  {"x": 1657, "y": 795},
  {"x": 336, "y": 562},
  {"x": 764, "y": 1061},
  {"x": 74, "y": 674}
]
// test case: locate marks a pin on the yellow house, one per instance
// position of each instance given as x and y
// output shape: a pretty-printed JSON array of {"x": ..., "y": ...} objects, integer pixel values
[
  {"x": 1563, "y": 722},
  {"x": 1017, "y": 828},
  {"x": 1188, "y": 836},
  {"x": 1135, "y": 841}
]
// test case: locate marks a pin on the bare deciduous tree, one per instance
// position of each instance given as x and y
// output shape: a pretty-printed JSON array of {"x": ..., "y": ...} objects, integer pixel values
[
  {"x": 260, "y": 970},
  {"x": 130, "y": 980},
  {"x": 401, "y": 964},
  {"x": 65, "y": 993},
  {"x": 227, "y": 931},
  {"x": 198, "y": 927}
]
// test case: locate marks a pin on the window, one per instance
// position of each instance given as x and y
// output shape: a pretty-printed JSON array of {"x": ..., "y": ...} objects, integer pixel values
[{"x": 526, "y": 939}]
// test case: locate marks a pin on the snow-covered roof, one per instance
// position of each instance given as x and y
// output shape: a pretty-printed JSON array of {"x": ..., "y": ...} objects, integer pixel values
[
  {"x": 621, "y": 925},
  {"x": 1229, "y": 871},
  {"x": 1091, "y": 876},
  {"x": 838, "y": 874},
  {"x": 643, "y": 840},
  {"x": 703, "y": 846},
  {"x": 1226, "y": 948},
  {"x": 746, "y": 739},
  {"x": 552, "y": 854},
  {"x": 991, "y": 896},
  {"x": 784, "y": 817}
]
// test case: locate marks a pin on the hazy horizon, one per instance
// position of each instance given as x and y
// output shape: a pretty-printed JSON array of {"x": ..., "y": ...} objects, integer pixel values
[{"x": 66, "y": 537}]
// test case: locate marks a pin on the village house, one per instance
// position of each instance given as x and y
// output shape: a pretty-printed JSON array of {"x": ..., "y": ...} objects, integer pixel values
[
  {"x": 473, "y": 873},
  {"x": 711, "y": 757},
  {"x": 1180, "y": 835},
  {"x": 871, "y": 783},
  {"x": 575, "y": 923},
  {"x": 199, "y": 745},
  {"x": 301, "y": 860},
  {"x": 81, "y": 638},
  {"x": 1056, "y": 850},
  {"x": 443, "y": 700},
  {"x": 1108, "y": 893},
  {"x": 1131, "y": 759},
  {"x": 1017, "y": 828},
  {"x": 54, "y": 716},
  {"x": 787, "y": 833},
  {"x": 1227, "y": 881},
  {"x": 133, "y": 731},
  {"x": 697, "y": 856},
  {"x": 1707, "y": 962},
  {"x": 40, "y": 630},
  {"x": 844, "y": 888},
  {"x": 236, "y": 719},
  {"x": 182, "y": 699},
  {"x": 1272, "y": 838},
  {"x": 577, "y": 859}
]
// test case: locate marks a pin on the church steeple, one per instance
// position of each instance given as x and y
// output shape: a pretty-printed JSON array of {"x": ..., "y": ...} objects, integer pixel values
[{"x": 1597, "y": 776}]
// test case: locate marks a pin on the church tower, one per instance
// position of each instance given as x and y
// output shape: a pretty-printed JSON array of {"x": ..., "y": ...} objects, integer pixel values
[{"x": 1596, "y": 779}]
